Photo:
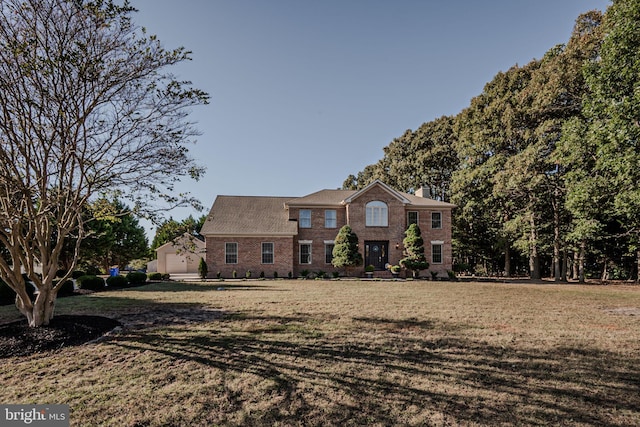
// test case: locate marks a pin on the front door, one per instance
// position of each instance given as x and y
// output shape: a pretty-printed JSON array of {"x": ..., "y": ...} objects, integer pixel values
[{"x": 376, "y": 254}]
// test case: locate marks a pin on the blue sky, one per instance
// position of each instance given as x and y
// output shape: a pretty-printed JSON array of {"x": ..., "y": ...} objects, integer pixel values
[{"x": 304, "y": 93}]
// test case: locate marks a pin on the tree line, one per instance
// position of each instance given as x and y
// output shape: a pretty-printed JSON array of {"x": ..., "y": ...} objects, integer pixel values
[{"x": 544, "y": 164}]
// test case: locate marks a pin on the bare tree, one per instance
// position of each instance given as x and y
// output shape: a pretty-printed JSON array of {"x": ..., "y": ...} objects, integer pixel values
[{"x": 86, "y": 109}]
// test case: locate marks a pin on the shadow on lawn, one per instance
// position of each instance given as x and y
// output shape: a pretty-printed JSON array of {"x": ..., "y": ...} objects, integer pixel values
[
  {"x": 202, "y": 286},
  {"x": 435, "y": 377}
]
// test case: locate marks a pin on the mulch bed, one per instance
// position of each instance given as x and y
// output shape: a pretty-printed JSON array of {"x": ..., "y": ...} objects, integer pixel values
[{"x": 18, "y": 339}]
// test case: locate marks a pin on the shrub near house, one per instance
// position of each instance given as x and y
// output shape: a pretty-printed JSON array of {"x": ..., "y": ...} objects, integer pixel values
[{"x": 91, "y": 283}]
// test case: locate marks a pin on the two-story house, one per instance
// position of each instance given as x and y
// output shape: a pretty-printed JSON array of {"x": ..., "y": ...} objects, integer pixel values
[{"x": 291, "y": 234}]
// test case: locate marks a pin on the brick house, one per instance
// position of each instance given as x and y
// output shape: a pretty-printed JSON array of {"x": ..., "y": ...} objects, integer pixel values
[{"x": 292, "y": 234}]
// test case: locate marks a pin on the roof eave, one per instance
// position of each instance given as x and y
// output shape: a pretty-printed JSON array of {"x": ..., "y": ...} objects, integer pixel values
[
  {"x": 384, "y": 186},
  {"x": 276, "y": 234}
]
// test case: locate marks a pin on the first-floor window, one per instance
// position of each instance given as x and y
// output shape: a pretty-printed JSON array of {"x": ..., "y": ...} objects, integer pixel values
[
  {"x": 267, "y": 253},
  {"x": 436, "y": 253},
  {"x": 231, "y": 253},
  {"x": 305, "y": 253},
  {"x": 328, "y": 252}
]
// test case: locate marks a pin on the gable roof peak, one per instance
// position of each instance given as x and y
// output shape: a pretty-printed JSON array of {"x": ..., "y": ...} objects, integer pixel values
[{"x": 377, "y": 183}]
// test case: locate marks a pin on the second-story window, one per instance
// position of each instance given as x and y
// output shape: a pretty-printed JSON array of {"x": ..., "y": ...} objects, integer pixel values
[
  {"x": 330, "y": 219},
  {"x": 305, "y": 218},
  {"x": 436, "y": 220},
  {"x": 377, "y": 214},
  {"x": 412, "y": 218}
]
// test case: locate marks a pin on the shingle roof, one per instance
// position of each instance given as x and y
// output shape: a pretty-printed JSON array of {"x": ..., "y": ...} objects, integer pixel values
[
  {"x": 337, "y": 197},
  {"x": 322, "y": 198},
  {"x": 422, "y": 202},
  {"x": 269, "y": 216},
  {"x": 185, "y": 240},
  {"x": 249, "y": 215}
]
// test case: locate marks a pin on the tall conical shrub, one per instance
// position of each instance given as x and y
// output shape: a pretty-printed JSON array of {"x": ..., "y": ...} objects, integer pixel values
[
  {"x": 203, "y": 270},
  {"x": 346, "y": 253},
  {"x": 414, "y": 258}
]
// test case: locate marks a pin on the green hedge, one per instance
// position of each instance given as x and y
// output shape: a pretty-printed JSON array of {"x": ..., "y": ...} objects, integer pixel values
[
  {"x": 155, "y": 276},
  {"x": 78, "y": 274},
  {"x": 92, "y": 283},
  {"x": 8, "y": 296},
  {"x": 117, "y": 281},
  {"x": 136, "y": 278},
  {"x": 67, "y": 288}
]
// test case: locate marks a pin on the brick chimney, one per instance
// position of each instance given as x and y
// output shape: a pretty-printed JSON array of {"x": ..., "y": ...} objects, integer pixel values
[{"x": 424, "y": 192}]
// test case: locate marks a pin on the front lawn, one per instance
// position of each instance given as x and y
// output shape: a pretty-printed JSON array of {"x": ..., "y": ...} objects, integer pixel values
[{"x": 345, "y": 353}]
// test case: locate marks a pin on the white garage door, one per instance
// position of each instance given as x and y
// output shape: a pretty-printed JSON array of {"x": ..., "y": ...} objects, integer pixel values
[{"x": 175, "y": 263}]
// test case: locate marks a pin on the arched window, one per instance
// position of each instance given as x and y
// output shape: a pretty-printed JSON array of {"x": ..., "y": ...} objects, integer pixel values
[{"x": 377, "y": 214}]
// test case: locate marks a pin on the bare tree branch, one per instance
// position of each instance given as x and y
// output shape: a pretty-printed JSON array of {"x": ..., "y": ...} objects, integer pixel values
[{"x": 86, "y": 109}]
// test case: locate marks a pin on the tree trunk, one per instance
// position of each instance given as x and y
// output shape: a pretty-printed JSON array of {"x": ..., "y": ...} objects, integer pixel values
[
  {"x": 557, "y": 272},
  {"x": 507, "y": 261},
  {"x": 605, "y": 270},
  {"x": 565, "y": 264},
  {"x": 534, "y": 261},
  {"x": 556, "y": 238},
  {"x": 576, "y": 263},
  {"x": 40, "y": 312},
  {"x": 638, "y": 265},
  {"x": 583, "y": 250},
  {"x": 557, "y": 266}
]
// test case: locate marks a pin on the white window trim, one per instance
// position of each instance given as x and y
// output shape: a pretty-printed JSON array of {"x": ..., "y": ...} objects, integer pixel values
[
  {"x": 417, "y": 217},
  {"x": 328, "y": 242},
  {"x": 225, "y": 253},
  {"x": 441, "y": 217},
  {"x": 384, "y": 218},
  {"x": 335, "y": 218},
  {"x": 273, "y": 253},
  {"x": 300, "y": 218},
  {"x": 441, "y": 244},
  {"x": 305, "y": 242}
]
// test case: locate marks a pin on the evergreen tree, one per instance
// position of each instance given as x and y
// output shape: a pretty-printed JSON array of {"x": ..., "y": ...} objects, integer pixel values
[
  {"x": 414, "y": 258},
  {"x": 346, "y": 253},
  {"x": 203, "y": 270},
  {"x": 114, "y": 237},
  {"x": 171, "y": 229}
]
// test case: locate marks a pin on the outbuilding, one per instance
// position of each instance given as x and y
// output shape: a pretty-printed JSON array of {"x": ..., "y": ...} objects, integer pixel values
[{"x": 181, "y": 256}]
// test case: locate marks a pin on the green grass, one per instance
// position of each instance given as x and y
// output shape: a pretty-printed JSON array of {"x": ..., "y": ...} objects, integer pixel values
[{"x": 346, "y": 353}]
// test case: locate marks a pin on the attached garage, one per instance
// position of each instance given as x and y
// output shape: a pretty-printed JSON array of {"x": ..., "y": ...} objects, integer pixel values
[{"x": 181, "y": 256}]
